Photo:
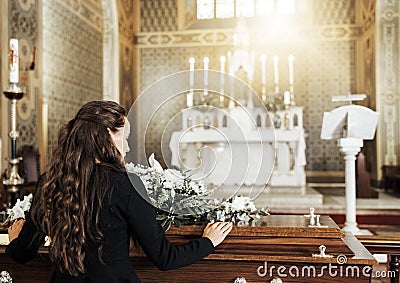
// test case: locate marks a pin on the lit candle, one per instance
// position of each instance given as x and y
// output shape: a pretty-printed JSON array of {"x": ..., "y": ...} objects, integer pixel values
[
  {"x": 263, "y": 69},
  {"x": 206, "y": 61},
  {"x": 286, "y": 98},
  {"x": 14, "y": 76},
  {"x": 189, "y": 97},
  {"x": 276, "y": 73},
  {"x": 191, "y": 66},
  {"x": 291, "y": 73},
  {"x": 222, "y": 59}
]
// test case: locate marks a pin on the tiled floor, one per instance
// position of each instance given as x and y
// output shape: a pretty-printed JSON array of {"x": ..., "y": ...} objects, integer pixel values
[{"x": 334, "y": 202}]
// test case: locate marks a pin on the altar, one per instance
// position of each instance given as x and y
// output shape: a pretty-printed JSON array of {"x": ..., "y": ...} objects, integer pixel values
[{"x": 242, "y": 146}]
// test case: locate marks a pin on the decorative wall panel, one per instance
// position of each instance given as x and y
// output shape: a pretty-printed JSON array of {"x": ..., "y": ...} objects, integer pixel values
[
  {"x": 334, "y": 12},
  {"x": 388, "y": 81},
  {"x": 324, "y": 64},
  {"x": 158, "y": 15},
  {"x": 126, "y": 18},
  {"x": 23, "y": 25},
  {"x": 72, "y": 60},
  {"x": 320, "y": 72}
]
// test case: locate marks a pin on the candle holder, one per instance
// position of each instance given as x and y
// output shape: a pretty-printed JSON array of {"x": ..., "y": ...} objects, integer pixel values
[
  {"x": 291, "y": 89},
  {"x": 13, "y": 181},
  {"x": 286, "y": 118}
]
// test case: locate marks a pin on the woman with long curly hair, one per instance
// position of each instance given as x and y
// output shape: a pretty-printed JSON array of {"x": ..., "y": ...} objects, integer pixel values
[{"x": 88, "y": 206}]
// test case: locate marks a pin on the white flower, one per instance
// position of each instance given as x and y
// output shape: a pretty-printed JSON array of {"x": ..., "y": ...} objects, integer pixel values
[
  {"x": 168, "y": 184},
  {"x": 239, "y": 203},
  {"x": 154, "y": 163},
  {"x": 130, "y": 167},
  {"x": 220, "y": 215},
  {"x": 20, "y": 207},
  {"x": 175, "y": 192},
  {"x": 174, "y": 176},
  {"x": 26, "y": 203}
]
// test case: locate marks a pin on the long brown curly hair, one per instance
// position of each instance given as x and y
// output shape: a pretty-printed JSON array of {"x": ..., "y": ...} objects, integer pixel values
[{"x": 69, "y": 198}]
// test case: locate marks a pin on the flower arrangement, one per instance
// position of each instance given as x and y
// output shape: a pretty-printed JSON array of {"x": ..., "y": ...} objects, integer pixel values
[
  {"x": 240, "y": 210},
  {"x": 181, "y": 200},
  {"x": 178, "y": 198},
  {"x": 18, "y": 210}
]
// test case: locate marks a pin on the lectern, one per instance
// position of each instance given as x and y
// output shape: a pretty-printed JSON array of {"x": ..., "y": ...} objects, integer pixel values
[{"x": 350, "y": 125}]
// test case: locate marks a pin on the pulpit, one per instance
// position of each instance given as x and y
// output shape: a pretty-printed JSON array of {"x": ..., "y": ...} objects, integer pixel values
[{"x": 350, "y": 125}]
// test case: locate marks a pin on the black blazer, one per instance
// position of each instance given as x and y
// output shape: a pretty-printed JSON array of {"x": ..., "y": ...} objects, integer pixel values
[{"x": 127, "y": 213}]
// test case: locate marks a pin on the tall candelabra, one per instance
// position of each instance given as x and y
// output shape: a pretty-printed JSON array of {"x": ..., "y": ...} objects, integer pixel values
[{"x": 12, "y": 180}]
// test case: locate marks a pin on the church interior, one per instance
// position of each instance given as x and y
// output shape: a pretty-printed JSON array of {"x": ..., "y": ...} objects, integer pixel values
[{"x": 319, "y": 80}]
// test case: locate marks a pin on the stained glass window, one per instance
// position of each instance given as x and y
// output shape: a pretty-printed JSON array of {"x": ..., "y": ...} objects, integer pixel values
[
  {"x": 244, "y": 8},
  {"x": 205, "y": 9},
  {"x": 285, "y": 7},
  {"x": 223, "y": 9},
  {"x": 265, "y": 7}
]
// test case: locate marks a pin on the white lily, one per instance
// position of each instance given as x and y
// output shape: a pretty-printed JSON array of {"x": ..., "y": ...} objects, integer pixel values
[{"x": 154, "y": 163}]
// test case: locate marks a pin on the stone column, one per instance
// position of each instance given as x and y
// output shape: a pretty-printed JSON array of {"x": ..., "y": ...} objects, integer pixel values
[
  {"x": 349, "y": 147},
  {"x": 387, "y": 82}
]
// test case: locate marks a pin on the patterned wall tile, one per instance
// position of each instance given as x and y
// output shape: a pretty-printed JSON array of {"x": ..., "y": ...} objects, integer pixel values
[
  {"x": 334, "y": 12},
  {"x": 72, "y": 64},
  {"x": 23, "y": 25},
  {"x": 321, "y": 71},
  {"x": 158, "y": 15}
]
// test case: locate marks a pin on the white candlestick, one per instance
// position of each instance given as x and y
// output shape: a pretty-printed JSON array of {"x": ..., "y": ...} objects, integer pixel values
[
  {"x": 291, "y": 73},
  {"x": 189, "y": 99},
  {"x": 263, "y": 69},
  {"x": 206, "y": 61},
  {"x": 222, "y": 60},
  {"x": 276, "y": 73},
  {"x": 191, "y": 68},
  {"x": 286, "y": 98},
  {"x": 189, "y": 96},
  {"x": 14, "y": 76}
]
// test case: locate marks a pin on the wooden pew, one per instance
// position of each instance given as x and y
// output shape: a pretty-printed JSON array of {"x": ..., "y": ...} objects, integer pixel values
[
  {"x": 391, "y": 176},
  {"x": 389, "y": 245}
]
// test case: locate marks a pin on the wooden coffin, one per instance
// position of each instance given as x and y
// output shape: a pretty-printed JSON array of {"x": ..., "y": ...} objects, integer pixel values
[{"x": 275, "y": 247}]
